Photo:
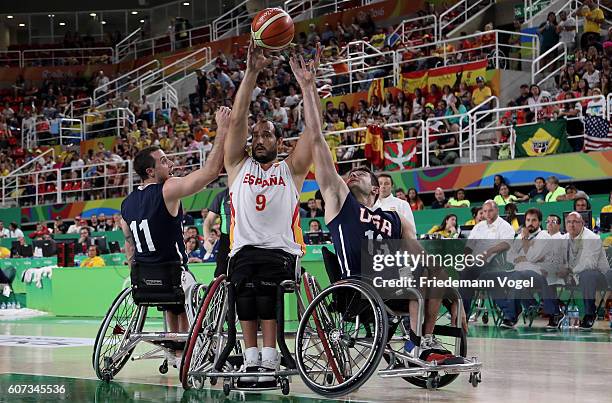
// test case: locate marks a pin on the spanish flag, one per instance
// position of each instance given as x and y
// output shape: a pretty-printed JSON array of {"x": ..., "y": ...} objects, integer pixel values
[
  {"x": 409, "y": 82},
  {"x": 374, "y": 146},
  {"x": 377, "y": 87}
]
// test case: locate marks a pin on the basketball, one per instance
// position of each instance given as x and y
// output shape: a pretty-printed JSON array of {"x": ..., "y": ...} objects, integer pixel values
[{"x": 272, "y": 28}]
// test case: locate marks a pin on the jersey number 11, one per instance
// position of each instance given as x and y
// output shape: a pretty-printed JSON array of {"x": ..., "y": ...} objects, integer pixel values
[{"x": 144, "y": 226}]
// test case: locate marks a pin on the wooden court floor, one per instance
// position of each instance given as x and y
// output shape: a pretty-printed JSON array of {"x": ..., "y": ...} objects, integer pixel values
[{"x": 523, "y": 365}]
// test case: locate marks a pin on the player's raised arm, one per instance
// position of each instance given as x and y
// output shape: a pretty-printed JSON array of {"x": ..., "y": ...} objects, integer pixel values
[
  {"x": 177, "y": 188},
  {"x": 305, "y": 73},
  {"x": 236, "y": 141}
]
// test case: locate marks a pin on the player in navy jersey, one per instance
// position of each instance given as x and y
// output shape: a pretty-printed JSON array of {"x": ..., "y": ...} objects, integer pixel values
[
  {"x": 152, "y": 214},
  {"x": 351, "y": 218}
]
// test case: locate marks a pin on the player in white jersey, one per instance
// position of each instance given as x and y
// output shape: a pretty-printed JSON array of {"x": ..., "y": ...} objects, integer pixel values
[{"x": 265, "y": 237}]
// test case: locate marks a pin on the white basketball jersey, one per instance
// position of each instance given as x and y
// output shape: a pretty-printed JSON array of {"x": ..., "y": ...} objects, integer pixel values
[{"x": 265, "y": 210}]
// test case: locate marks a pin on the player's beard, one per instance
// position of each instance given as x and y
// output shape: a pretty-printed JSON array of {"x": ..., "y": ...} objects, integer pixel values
[{"x": 268, "y": 156}]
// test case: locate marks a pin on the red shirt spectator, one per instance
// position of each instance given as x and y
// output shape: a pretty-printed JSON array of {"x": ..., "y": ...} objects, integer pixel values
[{"x": 41, "y": 230}]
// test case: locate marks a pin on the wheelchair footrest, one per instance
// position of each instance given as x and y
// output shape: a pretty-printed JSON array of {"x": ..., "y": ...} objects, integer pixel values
[
  {"x": 469, "y": 365},
  {"x": 169, "y": 344},
  {"x": 238, "y": 374}
]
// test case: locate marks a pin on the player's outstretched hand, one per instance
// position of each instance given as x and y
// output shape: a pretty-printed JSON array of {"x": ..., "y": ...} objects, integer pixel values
[
  {"x": 305, "y": 73},
  {"x": 256, "y": 60},
  {"x": 222, "y": 117}
]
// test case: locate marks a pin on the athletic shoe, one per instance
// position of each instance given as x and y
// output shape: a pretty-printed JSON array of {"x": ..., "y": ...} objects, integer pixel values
[
  {"x": 507, "y": 324},
  {"x": 270, "y": 362},
  {"x": 587, "y": 323},
  {"x": 251, "y": 364},
  {"x": 433, "y": 350},
  {"x": 553, "y": 321}
]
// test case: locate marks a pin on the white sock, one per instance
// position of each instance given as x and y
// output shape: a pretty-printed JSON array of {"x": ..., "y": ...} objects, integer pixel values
[
  {"x": 269, "y": 354},
  {"x": 251, "y": 355}
]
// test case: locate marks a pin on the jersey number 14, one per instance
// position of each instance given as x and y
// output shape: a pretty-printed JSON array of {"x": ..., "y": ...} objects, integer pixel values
[{"x": 144, "y": 227}]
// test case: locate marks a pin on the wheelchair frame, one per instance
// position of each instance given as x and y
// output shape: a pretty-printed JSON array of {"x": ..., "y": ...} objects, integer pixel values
[{"x": 127, "y": 328}]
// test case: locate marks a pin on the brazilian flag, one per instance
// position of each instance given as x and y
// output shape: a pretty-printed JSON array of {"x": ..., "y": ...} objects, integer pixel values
[{"x": 539, "y": 139}]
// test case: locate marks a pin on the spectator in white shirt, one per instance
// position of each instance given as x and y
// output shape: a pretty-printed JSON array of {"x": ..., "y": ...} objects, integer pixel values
[
  {"x": 586, "y": 264},
  {"x": 567, "y": 31},
  {"x": 530, "y": 255},
  {"x": 387, "y": 202},
  {"x": 14, "y": 231},
  {"x": 591, "y": 75},
  {"x": 596, "y": 107},
  {"x": 488, "y": 238},
  {"x": 4, "y": 232}
]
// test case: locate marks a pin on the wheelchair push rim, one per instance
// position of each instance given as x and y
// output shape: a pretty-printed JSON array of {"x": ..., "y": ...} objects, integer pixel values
[
  {"x": 331, "y": 342},
  {"x": 200, "y": 338},
  {"x": 123, "y": 318}
]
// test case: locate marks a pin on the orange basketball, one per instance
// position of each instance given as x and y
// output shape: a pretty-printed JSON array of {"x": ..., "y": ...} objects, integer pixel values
[{"x": 272, "y": 28}]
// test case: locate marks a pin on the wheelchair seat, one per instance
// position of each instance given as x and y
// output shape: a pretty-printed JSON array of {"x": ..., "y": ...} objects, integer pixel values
[{"x": 157, "y": 284}]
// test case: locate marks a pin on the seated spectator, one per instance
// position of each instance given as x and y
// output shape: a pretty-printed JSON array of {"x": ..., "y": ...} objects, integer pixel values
[
  {"x": 444, "y": 153},
  {"x": 4, "y": 232},
  {"x": 314, "y": 226},
  {"x": 41, "y": 230},
  {"x": 59, "y": 226},
  {"x": 448, "y": 227},
  {"x": 536, "y": 195},
  {"x": 510, "y": 211},
  {"x": 459, "y": 200},
  {"x": 313, "y": 211},
  {"x": 414, "y": 200},
  {"x": 477, "y": 216},
  {"x": 481, "y": 93},
  {"x": 193, "y": 250},
  {"x": 84, "y": 239},
  {"x": 522, "y": 99},
  {"x": 553, "y": 226},
  {"x": 554, "y": 190},
  {"x": 400, "y": 194},
  {"x": 14, "y": 231},
  {"x": 22, "y": 249},
  {"x": 210, "y": 247},
  {"x": 75, "y": 228},
  {"x": 571, "y": 193},
  {"x": 504, "y": 197},
  {"x": 93, "y": 259},
  {"x": 193, "y": 232},
  {"x": 439, "y": 199},
  {"x": 582, "y": 204},
  {"x": 586, "y": 264},
  {"x": 608, "y": 208}
]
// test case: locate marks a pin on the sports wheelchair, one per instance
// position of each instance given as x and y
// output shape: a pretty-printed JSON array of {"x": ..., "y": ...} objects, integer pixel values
[
  {"x": 122, "y": 327},
  {"x": 213, "y": 351},
  {"x": 348, "y": 329}
]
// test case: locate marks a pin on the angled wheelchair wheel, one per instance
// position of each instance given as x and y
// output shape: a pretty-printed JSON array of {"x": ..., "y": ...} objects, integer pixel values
[
  {"x": 453, "y": 339},
  {"x": 341, "y": 337},
  {"x": 199, "y": 354},
  {"x": 123, "y": 318}
]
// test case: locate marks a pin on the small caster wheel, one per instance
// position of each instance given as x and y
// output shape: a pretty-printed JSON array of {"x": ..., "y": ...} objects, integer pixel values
[
  {"x": 106, "y": 376},
  {"x": 213, "y": 381},
  {"x": 284, "y": 383},
  {"x": 475, "y": 379},
  {"x": 164, "y": 367},
  {"x": 485, "y": 318},
  {"x": 433, "y": 381},
  {"x": 226, "y": 389}
]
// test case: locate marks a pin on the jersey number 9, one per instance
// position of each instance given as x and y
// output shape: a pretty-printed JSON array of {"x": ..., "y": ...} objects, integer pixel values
[{"x": 260, "y": 202}]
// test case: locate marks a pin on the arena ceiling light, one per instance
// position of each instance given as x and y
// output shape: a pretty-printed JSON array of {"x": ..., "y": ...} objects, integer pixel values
[
  {"x": 103, "y": 22},
  {"x": 92, "y": 14},
  {"x": 10, "y": 17},
  {"x": 22, "y": 25},
  {"x": 62, "y": 24},
  {"x": 186, "y": 3},
  {"x": 134, "y": 12},
  {"x": 142, "y": 21},
  {"x": 50, "y": 15}
]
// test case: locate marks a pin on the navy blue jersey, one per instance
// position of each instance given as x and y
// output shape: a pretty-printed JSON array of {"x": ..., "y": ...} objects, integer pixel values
[
  {"x": 158, "y": 237},
  {"x": 355, "y": 223}
]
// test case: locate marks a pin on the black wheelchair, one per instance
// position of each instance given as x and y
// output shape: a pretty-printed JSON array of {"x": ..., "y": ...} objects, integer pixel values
[
  {"x": 348, "y": 329},
  {"x": 123, "y": 326}
]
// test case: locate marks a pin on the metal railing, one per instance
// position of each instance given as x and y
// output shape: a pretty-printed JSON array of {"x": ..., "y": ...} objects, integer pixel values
[
  {"x": 487, "y": 45},
  {"x": 70, "y": 131},
  {"x": 122, "y": 49},
  {"x": 77, "y": 107},
  {"x": 463, "y": 10},
  {"x": 313, "y": 8},
  {"x": 176, "y": 70},
  {"x": 108, "y": 122},
  {"x": 166, "y": 43},
  {"x": 123, "y": 83},
  {"x": 28, "y": 133},
  {"x": 356, "y": 73},
  {"x": 164, "y": 99},
  {"x": 555, "y": 59},
  {"x": 489, "y": 137},
  {"x": 532, "y": 8},
  {"x": 425, "y": 25},
  {"x": 10, "y": 58},
  {"x": 66, "y": 57},
  {"x": 232, "y": 22}
]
